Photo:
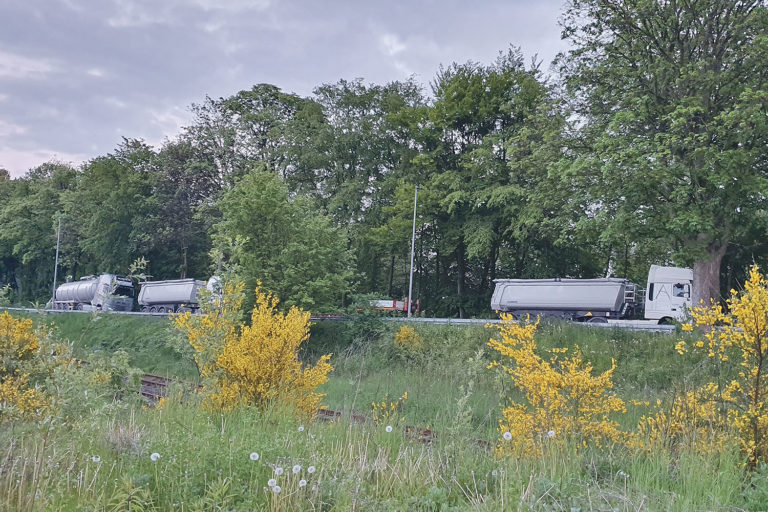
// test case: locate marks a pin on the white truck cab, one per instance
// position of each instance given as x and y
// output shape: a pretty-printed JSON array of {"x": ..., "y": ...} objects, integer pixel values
[{"x": 668, "y": 293}]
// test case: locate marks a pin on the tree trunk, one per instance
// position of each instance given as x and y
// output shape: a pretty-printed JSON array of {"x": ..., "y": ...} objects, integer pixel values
[
  {"x": 706, "y": 274},
  {"x": 462, "y": 270},
  {"x": 391, "y": 274}
]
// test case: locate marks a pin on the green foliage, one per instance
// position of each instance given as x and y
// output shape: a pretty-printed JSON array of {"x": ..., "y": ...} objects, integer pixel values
[
  {"x": 296, "y": 252},
  {"x": 6, "y": 295},
  {"x": 671, "y": 150},
  {"x": 28, "y": 217}
]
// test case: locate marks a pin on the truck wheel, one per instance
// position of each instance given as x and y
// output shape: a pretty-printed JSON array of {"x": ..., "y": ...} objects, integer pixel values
[
  {"x": 597, "y": 320},
  {"x": 79, "y": 307},
  {"x": 666, "y": 321}
]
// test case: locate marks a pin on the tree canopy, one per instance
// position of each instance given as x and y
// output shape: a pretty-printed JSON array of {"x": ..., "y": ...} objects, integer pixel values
[{"x": 647, "y": 143}]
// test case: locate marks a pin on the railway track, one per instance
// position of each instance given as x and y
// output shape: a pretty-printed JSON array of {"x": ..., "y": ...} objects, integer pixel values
[
  {"x": 632, "y": 326},
  {"x": 155, "y": 387}
]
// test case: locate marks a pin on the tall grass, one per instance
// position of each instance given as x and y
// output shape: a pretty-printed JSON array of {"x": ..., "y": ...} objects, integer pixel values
[{"x": 102, "y": 460}]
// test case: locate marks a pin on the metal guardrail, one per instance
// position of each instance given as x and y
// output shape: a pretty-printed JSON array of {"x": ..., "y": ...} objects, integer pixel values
[{"x": 632, "y": 325}]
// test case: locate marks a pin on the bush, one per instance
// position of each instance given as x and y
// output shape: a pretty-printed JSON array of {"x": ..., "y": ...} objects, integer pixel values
[{"x": 254, "y": 364}]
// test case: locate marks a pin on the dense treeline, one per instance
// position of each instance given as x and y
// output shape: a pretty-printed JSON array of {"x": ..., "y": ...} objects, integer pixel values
[{"x": 648, "y": 146}]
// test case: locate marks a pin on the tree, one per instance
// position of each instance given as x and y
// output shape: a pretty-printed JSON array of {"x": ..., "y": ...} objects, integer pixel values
[
  {"x": 29, "y": 212},
  {"x": 366, "y": 148},
  {"x": 283, "y": 242},
  {"x": 671, "y": 97},
  {"x": 114, "y": 208},
  {"x": 485, "y": 146}
]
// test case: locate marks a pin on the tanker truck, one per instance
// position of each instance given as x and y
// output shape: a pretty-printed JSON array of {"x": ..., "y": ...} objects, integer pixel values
[
  {"x": 95, "y": 293},
  {"x": 609, "y": 300},
  {"x": 176, "y": 295}
]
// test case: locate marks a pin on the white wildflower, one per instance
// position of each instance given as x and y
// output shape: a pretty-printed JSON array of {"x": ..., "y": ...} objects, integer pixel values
[
  {"x": 507, "y": 435},
  {"x": 389, "y": 428},
  {"x": 301, "y": 428},
  {"x": 551, "y": 434},
  {"x": 96, "y": 458},
  {"x": 254, "y": 456}
]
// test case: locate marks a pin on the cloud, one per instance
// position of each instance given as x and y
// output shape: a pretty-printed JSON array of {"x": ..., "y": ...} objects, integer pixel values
[
  {"x": 18, "y": 67},
  {"x": 8, "y": 129},
  {"x": 18, "y": 162},
  {"x": 391, "y": 44}
]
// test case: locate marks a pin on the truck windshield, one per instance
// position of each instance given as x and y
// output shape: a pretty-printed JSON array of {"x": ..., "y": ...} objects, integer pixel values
[{"x": 125, "y": 291}]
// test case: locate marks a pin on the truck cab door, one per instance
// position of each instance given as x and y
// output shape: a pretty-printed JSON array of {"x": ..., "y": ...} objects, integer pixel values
[{"x": 666, "y": 299}]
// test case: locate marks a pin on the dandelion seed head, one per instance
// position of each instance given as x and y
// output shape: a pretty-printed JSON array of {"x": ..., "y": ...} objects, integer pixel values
[
  {"x": 272, "y": 482},
  {"x": 96, "y": 458},
  {"x": 302, "y": 483},
  {"x": 494, "y": 473},
  {"x": 311, "y": 469},
  {"x": 301, "y": 428},
  {"x": 278, "y": 471},
  {"x": 155, "y": 456},
  {"x": 389, "y": 428},
  {"x": 276, "y": 489},
  {"x": 296, "y": 469},
  {"x": 507, "y": 435},
  {"x": 254, "y": 456},
  {"x": 551, "y": 434}
]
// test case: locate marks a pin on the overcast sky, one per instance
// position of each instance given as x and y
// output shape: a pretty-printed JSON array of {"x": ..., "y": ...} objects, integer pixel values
[{"x": 78, "y": 75}]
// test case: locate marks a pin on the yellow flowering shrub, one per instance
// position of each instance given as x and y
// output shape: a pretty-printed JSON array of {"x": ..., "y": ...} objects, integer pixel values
[
  {"x": 738, "y": 337},
  {"x": 18, "y": 347},
  {"x": 562, "y": 399},
  {"x": 693, "y": 422},
  {"x": 209, "y": 332},
  {"x": 389, "y": 411},
  {"x": 408, "y": 339},
  {"x": 255, "y": 364}
]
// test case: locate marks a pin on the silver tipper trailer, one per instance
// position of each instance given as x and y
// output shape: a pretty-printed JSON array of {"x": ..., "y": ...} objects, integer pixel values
[
  {"x": 573, "y": 299},
  {"x": 170, "y": 296},
  {"x": 610, "y": 300},
  {"x": 95, "y": 293}
]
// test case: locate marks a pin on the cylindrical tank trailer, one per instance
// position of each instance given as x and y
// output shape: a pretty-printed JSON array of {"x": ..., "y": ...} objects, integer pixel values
[
  {"x": 95, "y": 293},
  {"x": 111, "y": 292}
]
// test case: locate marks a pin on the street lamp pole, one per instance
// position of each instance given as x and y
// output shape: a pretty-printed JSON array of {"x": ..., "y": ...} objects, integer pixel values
[
  {"x": 56, "y": 264},
  {"x": 413, "y": 244}
]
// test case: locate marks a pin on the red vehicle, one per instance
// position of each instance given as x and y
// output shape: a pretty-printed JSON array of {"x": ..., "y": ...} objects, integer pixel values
[{"x": 401, "y": 306}]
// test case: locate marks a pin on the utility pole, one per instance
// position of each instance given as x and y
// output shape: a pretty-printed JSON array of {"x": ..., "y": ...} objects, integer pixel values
[
  {"x": 413, "y": 244},
  {"x": 56, "y": 264}
]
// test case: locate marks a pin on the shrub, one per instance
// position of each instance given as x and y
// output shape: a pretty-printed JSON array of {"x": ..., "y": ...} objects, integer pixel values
[
  {"x": 19, "y": 346},
  {"x": 737, "y": 340},
  {"x": 693, "y": 422},
  {"x": 255, "y": 364},
  {"x": 562, "y": 399}
]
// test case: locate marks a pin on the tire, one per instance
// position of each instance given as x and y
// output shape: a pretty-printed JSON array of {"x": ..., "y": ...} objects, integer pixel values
[
  {"x": 153, "y": 309},
  {"x": 597, "y": 320}
]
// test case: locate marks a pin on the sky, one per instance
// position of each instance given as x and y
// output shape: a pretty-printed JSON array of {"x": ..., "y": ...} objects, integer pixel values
[{"x": 76, "y": 76}]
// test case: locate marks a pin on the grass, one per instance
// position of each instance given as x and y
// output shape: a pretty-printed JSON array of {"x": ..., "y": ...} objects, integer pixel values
[{"x": 205, "y": 459}]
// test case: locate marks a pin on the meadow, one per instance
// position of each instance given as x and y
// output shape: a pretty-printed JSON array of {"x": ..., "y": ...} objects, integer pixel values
[{"x": 430, "y": 443}]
